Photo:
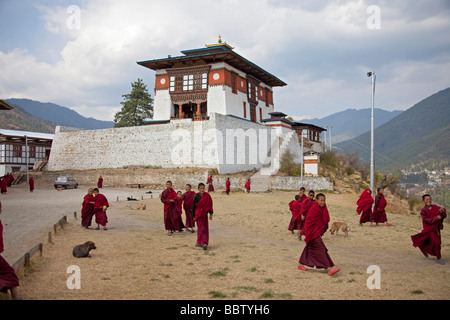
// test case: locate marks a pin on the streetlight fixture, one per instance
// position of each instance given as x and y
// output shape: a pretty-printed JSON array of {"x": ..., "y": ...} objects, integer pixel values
[{"x": 371, "y": 74}]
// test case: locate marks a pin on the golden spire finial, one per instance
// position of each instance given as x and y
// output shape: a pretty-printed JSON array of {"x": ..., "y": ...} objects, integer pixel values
[{"x": 220, "y": 43}]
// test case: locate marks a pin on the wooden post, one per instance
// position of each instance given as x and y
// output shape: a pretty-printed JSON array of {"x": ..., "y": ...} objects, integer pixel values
[
  {"x": 75, "y": 214},
  {"x": 50, "y": 237}
]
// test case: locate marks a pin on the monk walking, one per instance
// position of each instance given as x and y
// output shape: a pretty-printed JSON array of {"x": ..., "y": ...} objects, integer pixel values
[
  {"x": 304, "y": 208},
  {"x": 429, "y": 239},
  {"x": 379, "y": 212},
  {"x": 202, "y": 205},
  {"x": 8, "y": 278},
  {"x": 3, "y": 184},
  {"x": 295, "y": 223},
  {"x": 364, "y": 206},
  {"x": 315, "y": 253},
  {"x": 228, "y": 186},
  {"x": 87, "y": 210},
  {"x": 100, "y": 206},
  {"x": 169, "y": 198},
  {"x": 188, "y": 202},
  {"x": 295, "y": 207}
]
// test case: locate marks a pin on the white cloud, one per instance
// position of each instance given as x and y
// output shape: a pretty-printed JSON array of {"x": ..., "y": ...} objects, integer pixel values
[{"x": 321, "y": 49}]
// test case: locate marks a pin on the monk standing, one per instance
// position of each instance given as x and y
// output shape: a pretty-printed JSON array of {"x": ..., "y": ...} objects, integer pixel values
[
  {"x": 3, "y": 184},
  {"x": 8, "y": 278},
  {"x": 100, "y": 206},
  {"x": 429, "y": 239},
  {"x": 87, "y": 210},
  {"x": 180, "y": 210},
  {"x": 100, "y": 182},
  {"x": 209, "y": 183},
  {"x": 203, "y": 205},
  {"x": 188, "y": 201},
  {"x": 247, "y": 186},
  {"x": 379, "y": 212},
  {"x": 364, "y": 206},
  {"x": 315, "y": 253},
  {"x": 169, "y": 198},
  {"x": 228, "y": 186},
  {"x": 31, "y": 184}
]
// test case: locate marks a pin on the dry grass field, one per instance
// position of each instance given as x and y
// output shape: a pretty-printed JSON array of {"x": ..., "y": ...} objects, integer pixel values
[{"x": 251, "y": 255}]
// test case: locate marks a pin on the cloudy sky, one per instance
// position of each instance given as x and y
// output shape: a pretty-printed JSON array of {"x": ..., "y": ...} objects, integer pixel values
[{"x": 82, "y": 53}]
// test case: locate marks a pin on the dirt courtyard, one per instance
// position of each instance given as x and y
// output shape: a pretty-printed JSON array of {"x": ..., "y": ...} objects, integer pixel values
[{"x": 251, "y": 255}]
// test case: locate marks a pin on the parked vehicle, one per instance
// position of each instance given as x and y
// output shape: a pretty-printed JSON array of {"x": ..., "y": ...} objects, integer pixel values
[{"x": 65, "y": 182}]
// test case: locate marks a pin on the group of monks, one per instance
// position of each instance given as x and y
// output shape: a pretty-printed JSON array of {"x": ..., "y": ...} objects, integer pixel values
[
  {"x": 7, "y": 180},
  {"x": 94, "y": 204},
  {"x": 428, "y": 240},
  {"x": 196, "y": 206},
  {"x": 310, "y": 217},
  {"x": 364, "y": 207}
]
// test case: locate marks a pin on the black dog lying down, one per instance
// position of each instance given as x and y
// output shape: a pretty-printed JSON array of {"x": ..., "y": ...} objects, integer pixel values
[{"x": 82, "y": 250}]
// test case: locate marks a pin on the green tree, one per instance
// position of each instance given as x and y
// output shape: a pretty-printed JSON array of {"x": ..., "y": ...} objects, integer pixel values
[{"x": 136, "y": 107}]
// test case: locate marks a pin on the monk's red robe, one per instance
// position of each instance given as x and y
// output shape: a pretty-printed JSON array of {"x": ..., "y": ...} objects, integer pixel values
[
  {"x": 202, "y": 206},
  {"x": 364, "y": 206},
  {"x": 188, "y": 201},
  {"x": 87, "y": 210},
  {"x": 247, "y": 185},
  {"x": 171, "y": 221},
  {"x": 100, "y": 183},
  {"x": 3, "y": 185},
  {"x": 210, "y": 185},
  {"x": 31, "y": 183},
  {"x": 379, "y": 213},
  {"x": 8, "y": 277},
  {"x": 10, "y": 178},
  {"x": 100, "y": 214},
  {"x": 315, "y": 253},
  {"x": 305, "y": 206},
  {"x": 295, "y": 207},
  {"x": 228, "y": 186},
  {"x": 429, "y": 239}
]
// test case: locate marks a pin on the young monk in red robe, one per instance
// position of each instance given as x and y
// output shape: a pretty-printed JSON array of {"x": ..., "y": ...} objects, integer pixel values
[
  {"x": 295, "y": 223},
  {"x": 180, "y": 209},
  {"x": 228, "y": 186},
  {"x": 429, "y": 239},
  {"x": 315, "y": 254},
  {"x": 10, "y": 178},
  {"x": 247, "y": 186},
  {"x": 295, "y": 207},
  {"x": 100, "y": 182},
  {"x": 304, "y": 208},
  {"x": 364, "y": 206},
  {"x": 202, "y": 205},
  {"x": 169, "y": 198},
  {"x": 3, "y": 184},
  {"x": 379, "y": 213},
  {"x": 8, "y": 278},
  {"x": 210, "y": 185},
  {"x": 100, "y": 206},
  {"x": 31, "y": 184},
  {"x": 188, "y": 201},
  {"x": 87, "y": 209}
]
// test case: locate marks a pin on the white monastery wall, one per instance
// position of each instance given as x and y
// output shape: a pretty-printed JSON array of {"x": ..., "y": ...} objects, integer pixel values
[{"x": 226, "y": 143}]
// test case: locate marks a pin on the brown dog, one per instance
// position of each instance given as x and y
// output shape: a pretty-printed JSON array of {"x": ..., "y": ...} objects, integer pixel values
[
  {"x": 339, "y": 225},
  {"x": 82, "y": 250}
]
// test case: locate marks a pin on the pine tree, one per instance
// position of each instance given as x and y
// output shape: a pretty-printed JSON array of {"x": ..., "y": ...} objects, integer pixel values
[{"x": 137, "y": 106}]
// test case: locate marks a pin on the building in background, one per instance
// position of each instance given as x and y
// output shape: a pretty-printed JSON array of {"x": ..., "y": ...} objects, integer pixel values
[{"x": 21, "y": 148}]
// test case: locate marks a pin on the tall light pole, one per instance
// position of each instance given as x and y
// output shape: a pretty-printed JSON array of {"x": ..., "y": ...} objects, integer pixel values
[{"x": 372, "y": 164}]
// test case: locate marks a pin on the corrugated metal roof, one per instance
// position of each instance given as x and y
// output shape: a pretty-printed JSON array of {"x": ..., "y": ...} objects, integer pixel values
[{"x": 31, "y": 135}]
